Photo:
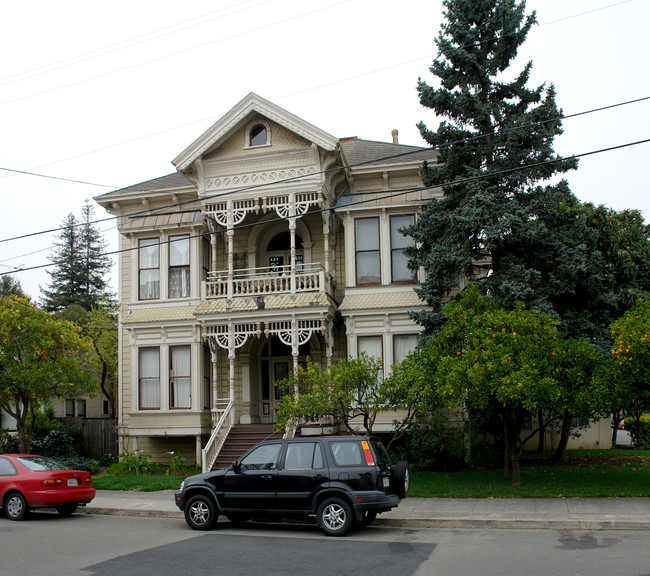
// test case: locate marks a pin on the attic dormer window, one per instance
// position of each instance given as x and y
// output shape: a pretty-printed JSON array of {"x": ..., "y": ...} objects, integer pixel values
[{"x": 258, "y": 136}]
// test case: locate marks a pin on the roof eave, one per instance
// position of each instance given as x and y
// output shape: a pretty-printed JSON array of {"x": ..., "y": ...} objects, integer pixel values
[{"x": 251, "y": 104}]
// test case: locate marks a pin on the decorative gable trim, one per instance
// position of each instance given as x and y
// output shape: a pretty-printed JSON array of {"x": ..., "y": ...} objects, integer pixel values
[{"x": 251, "y": 104}]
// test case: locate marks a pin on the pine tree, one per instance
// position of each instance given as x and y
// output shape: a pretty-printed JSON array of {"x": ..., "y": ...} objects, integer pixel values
[
  {"x": 96, "y": 264},
  {"x": 81, "y": 265},
  {"x": 65, "y": 278},
  {"x": 494, "y": 149},
  {"x": 11, "y": 286}
]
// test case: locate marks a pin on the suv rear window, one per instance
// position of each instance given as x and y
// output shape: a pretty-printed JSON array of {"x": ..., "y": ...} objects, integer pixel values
[{"x": 383, "y": 459}]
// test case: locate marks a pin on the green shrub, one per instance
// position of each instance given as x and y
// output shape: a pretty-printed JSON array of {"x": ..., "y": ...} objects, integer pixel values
[
  {"x": 641, "y": 438},
  {"x": 134, "y": 462},
  {"x": 56, "y": 444},
  {"x": 432, "y": 446},
  {"x": 176, "y": 464}
]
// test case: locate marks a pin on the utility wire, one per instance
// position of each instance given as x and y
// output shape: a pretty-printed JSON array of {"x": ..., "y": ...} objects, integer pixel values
[
  {"x": 382, "y": 196},
  {"x": 293, "y": 93},
  {"x": 418, "y": 150}
]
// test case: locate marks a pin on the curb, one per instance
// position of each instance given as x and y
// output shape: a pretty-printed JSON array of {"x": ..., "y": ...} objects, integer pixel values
[{"x": 435, "y": 523}]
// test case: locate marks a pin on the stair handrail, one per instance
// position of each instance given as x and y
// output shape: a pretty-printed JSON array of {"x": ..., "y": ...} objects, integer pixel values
[{"x": 218, "y": 437}]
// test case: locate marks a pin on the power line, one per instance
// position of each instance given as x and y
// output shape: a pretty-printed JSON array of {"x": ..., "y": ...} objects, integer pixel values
[
  {"x": 173, "y": 54},
  {"x": 146, "y": 212},
  {"x": 126, "y": 44},
  {"x": 391, "y": 194},
  {"x": 320, "y": 86}
]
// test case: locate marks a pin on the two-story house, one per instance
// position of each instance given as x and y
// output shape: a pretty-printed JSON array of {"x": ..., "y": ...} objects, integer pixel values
[{"x": 272, "y": 242}]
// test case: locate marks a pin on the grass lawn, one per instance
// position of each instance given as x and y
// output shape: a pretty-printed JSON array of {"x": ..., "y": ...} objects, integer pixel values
[{"x": 583, "y": 473}]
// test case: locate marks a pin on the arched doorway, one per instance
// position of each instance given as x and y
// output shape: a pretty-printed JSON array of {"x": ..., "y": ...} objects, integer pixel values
[{"x": 278, "y": 253}]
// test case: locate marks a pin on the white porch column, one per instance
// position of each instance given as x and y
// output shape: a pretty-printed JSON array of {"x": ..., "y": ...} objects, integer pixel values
[{"x": 230, "y": 232}]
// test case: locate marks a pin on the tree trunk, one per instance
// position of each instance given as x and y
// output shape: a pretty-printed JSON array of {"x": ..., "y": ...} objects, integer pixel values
[
  {"x": 564, "y": 437},
  {"x": 513, "y": 447},
  {"x": 542, "y": 431},
  {"x": 507, "y": 462}
]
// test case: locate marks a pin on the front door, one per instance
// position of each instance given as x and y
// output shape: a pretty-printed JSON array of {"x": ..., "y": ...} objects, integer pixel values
[{"x": 276, "y": 364}]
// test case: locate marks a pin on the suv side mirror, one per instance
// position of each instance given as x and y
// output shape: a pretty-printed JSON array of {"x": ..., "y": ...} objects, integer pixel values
[{"x": 236, "y": 467}]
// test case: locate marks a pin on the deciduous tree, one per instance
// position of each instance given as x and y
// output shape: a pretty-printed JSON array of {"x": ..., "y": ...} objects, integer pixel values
[
  {"x": 349, "y": 391},
  {"x": 41, "y": 357},
  {"x": 509, "y": 363}
]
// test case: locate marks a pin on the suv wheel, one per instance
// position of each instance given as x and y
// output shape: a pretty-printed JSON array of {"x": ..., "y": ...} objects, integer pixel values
[
  {"x": 402, "y": 479},
  {"x": 334, "y": 516},
  {"x": 199, "y": 513}
]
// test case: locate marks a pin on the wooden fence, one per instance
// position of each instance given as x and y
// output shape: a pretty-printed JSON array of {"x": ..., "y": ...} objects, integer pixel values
[{"x": 98, "y": 436}]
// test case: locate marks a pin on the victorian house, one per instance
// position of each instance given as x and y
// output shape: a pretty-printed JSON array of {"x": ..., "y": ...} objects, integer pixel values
[{"x": 272, "y": 242}]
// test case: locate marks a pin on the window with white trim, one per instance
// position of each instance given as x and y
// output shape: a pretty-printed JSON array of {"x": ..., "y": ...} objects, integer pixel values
[
  {"x": 398, "y": 242},
  {"x": 149, "y": 268},
  {"x": 258, "y": 136},
  {"x": 179, "y": 266},
  {"x": 403, "y": 345},
  {"x": 367, "y": 255},
  {"x": 180, "y": 380},
  {"x": 149, "y": 378}
]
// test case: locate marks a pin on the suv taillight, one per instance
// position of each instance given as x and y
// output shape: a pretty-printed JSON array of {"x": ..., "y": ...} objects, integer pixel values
[{"x": 367, "y": 452}]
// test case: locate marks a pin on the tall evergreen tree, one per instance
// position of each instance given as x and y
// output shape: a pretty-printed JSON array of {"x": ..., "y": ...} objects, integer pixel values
[
  {"x": 96, "y": 263},
  {"x": 494, "y": 150},
  {"x": 81, "y": 265},
  {"x": 65, "y": 278},
  {"x": 11, "y": 286}
]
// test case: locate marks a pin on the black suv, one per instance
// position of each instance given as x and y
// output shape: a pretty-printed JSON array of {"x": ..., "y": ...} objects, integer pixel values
[{"x": 343, "y": 480}]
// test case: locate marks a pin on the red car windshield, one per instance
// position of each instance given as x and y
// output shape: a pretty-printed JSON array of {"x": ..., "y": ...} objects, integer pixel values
[{"x": 40, "y": 463}]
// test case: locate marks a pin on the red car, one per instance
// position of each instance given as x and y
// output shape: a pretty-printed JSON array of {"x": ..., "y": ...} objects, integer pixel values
[{"x": 28, "y": 481}]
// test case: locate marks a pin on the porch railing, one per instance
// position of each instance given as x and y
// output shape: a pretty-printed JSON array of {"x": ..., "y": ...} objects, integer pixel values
[
  {"x": 262, "y": 281},
  {"x": 223, "y": 417}
]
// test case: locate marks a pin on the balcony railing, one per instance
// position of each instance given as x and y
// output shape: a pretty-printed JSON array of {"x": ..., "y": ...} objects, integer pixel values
[{"x": 264, "y": 281}]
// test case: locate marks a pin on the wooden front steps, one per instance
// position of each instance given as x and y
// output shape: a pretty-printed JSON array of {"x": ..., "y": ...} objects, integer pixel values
[{"x": 240, "y": 439}]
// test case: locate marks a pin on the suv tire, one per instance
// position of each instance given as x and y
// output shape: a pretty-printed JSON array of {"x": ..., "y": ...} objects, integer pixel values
[
  {"x": 200, "y": 513},
  {"x": 334, "y": 516},
  {"x": 402, "y": 479}
]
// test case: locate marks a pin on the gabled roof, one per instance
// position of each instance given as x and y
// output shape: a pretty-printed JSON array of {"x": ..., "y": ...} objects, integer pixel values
[{"x": 251, "y": 104}]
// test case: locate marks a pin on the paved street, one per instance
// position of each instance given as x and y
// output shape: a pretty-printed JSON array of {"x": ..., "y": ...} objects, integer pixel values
[{"x": 49, "y": 545}]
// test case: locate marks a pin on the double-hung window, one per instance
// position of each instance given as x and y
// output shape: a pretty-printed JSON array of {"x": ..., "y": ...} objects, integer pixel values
[
  {"x": 398, "y": 260},
  {"x": 180, "y": 381},
  {"x": 368, "y": 261},
  {"x": 149, "y": 378},
  {"x": 403, "y": 345},
  {"x": 179, "y": 267},
  {"x": 149, "y": 268}
]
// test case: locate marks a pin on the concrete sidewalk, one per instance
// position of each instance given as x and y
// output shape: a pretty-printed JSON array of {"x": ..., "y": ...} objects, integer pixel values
[{"x": 522, "y": 513}]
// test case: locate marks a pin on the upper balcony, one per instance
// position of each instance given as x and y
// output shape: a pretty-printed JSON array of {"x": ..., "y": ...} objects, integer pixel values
[{"x": 277, "y": 280}]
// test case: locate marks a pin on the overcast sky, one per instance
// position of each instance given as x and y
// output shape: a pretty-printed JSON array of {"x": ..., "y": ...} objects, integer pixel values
[{"x": 108, "y": 93}]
